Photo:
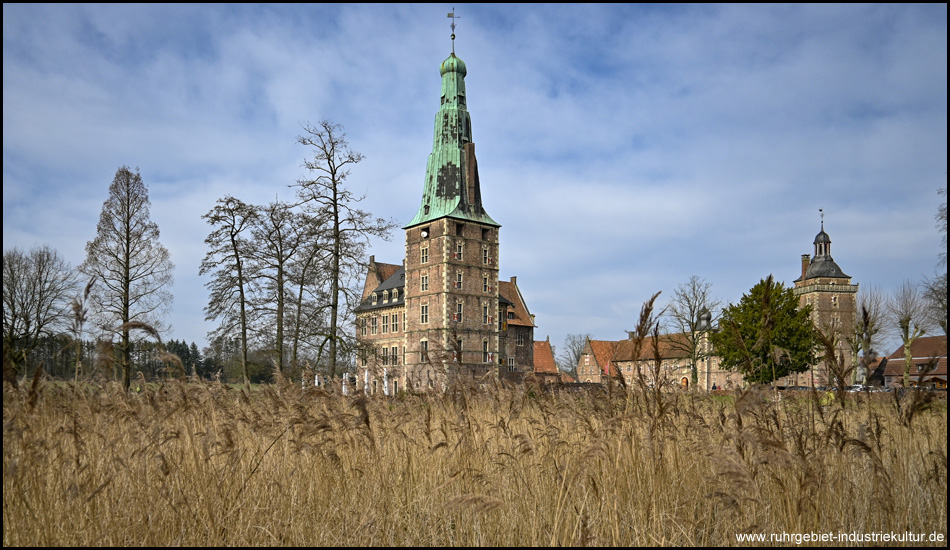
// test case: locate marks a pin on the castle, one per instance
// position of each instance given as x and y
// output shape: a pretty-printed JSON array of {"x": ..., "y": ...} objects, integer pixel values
[{"x": 443, "y": 315}]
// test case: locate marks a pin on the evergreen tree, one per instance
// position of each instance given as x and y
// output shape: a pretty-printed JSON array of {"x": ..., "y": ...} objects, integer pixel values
[{"x": 766, "y": 336}]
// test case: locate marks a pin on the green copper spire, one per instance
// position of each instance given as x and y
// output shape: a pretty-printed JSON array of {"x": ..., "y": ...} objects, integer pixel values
[{"x": 451, "y": 184}]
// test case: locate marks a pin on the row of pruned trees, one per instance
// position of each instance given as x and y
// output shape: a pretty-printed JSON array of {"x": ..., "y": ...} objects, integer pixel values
[{"x": 284, "y": 275}]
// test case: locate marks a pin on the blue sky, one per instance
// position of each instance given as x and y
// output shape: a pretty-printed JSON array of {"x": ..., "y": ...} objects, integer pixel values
[{"x": 623, "y": 149}]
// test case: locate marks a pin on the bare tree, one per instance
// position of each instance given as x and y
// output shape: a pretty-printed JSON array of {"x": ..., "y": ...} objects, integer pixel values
[
  {"x": 348, "y": 229},
  {"x": 942, "y": 227},
  {"x": 307, "y": 275},
  {"x": 132, "y": 269},
  {"x": 279, "y": 234},
  {"x": 691, "y": 313},
  {"x": 907, "y": 311},
  {"x": 573, "y": 350},
  {"x": 226, "y": 260},
  {"x": 935, "y": 292},
  {"x": 869, "y": 326},
  {"x": 936, "y": 288},
  {"x": 37, "y": 288}
]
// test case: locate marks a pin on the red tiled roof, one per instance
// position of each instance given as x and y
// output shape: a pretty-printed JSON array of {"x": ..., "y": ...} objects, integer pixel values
[
  {"x": 544, "y": 358},
  {"x": 895, "y": 367},
  {"x": 671, "y": 346},
  {"x": 603, "y": 350},
  {"x": 925, "y": 346},
  {"x": 509, "y": 291}
]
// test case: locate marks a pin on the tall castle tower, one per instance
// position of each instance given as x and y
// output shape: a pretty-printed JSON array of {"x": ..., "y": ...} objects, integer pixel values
[
  {"x": 451, "y": 267},
  {"x": 443, "y": 316},
  {"x": 832, "y": 297}
]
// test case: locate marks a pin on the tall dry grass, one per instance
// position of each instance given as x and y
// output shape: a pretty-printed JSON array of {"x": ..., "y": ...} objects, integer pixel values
[{"x": 200, "y": 464}]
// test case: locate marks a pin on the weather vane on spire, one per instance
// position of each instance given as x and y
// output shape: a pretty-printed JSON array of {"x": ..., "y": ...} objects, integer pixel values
[
  {"x": 821, "y": 211},
  {"x": 453, "y": 17}
]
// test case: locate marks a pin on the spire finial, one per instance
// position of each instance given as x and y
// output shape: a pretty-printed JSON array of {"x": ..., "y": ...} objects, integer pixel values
[
  {"x": 453, "y": 17},
  {"x": 821, "y": 211}
]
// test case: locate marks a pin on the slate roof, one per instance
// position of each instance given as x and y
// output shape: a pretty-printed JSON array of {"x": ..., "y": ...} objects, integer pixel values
[
  {"x": 395, "y": 281},
  {"x": 824, "y": 266}
]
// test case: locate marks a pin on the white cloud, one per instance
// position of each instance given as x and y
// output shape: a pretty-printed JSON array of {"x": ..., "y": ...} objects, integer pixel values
[{"x": 622, "y": 148}]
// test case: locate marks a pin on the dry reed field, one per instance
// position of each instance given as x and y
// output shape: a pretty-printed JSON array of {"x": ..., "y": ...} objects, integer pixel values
[{"x": 192, "y": 463}]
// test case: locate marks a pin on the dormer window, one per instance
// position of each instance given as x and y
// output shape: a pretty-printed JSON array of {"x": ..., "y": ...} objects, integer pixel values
[
  {"x": 375, "y": 298},
  {"x": 385, "y": 295},
  {"x": 395, "y": 294}
]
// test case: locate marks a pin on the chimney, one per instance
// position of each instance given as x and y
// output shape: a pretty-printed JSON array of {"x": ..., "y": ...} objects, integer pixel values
[
  {"x": 514, "y": 281},
  {"x": 806, "y": 259}
]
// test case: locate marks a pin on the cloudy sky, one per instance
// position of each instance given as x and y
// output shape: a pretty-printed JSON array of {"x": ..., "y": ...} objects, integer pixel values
[{"x": 623, "y": 149}]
